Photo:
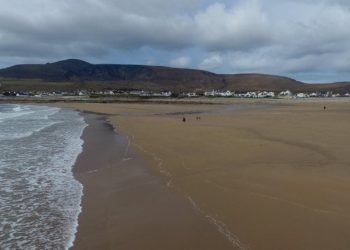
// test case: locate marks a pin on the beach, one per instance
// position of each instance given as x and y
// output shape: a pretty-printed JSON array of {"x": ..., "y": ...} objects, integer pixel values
[
  {"x": 242, "y": 176},
  {"x": 125, "y": 207}
]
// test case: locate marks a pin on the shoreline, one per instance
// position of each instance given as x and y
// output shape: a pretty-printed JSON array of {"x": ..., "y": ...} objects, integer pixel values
[
  {"x": 126, "y": 207},
  {"x": 218, "y": 196}
]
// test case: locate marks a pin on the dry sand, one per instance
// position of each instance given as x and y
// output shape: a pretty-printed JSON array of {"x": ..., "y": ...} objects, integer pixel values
[{"x": 267, "y": 177}]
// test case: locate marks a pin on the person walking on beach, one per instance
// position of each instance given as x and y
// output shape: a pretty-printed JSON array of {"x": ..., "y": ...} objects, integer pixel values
[
  {"x": 324, "y": 107},
  {"x": 183, "y": 119}
]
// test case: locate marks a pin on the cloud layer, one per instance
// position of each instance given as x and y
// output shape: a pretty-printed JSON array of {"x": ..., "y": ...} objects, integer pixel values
[{"x": 303, "y": 39}]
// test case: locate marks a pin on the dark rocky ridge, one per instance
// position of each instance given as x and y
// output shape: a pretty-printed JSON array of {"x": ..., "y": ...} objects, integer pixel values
[{"x": 81, "y": 74}]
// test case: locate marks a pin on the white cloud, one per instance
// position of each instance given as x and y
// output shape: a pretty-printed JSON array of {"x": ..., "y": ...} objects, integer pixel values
[
  {"x": 151, "y": 62},
  {"x": 212, "y": 62},
  {"x": 180, "y": 62}
]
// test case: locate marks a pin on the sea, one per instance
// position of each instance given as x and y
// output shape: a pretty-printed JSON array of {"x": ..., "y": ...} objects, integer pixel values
[{"x": 40, "y": 200}]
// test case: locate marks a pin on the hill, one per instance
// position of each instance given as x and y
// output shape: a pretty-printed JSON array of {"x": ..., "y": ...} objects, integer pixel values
[
  {"x": 76, "y": 74},
  {"x": 251, "y": 82}
]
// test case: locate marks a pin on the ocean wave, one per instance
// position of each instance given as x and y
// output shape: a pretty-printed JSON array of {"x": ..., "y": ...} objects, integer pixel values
[
  {"x": 18, "y": 108},
  {"x": 39, "y": 197},
  {"x": 6, "y": 116},
  {"x": 18, "y": 135},
  {"x": 26, "y": 121},
  {"x": 24, "y": 112}
]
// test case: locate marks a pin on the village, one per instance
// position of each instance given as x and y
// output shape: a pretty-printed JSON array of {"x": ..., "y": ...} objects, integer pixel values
[{"x": 169, "y": 94}]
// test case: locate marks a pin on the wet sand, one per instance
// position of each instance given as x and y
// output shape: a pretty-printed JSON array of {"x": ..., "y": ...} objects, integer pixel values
[
  {"x": 269, "y": 177},
  {"x": 124, "y": 207}
]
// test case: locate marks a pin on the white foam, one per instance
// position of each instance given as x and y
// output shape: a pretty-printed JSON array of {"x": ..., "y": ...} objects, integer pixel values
[
  {"x": 68, "y": 158},
  {"x": 26, "y": 121},
  {"x": 6, "y": 116},
  {"x": 39, "y": 197},
  {"x": 14, "y": 135},
  {"x": 221, "y": 227},
  {"x": 18, "y": 108}
]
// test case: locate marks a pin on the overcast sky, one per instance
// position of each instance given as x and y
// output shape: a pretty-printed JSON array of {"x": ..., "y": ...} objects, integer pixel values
[{"x": 305, "y": 39}]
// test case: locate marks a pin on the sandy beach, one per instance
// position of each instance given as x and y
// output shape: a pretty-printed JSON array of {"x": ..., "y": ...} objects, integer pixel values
[
  {"x": 125, "y": 207},
  {"x": 272, "y": 176}
]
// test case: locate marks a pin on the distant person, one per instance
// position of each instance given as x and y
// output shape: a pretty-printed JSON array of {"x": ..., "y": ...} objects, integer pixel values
[
  {"x": 183, "y": 119},
  {"x": 324, "y": 107}
]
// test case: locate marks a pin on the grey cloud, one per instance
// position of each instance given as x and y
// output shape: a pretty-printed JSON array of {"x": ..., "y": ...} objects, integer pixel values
[
  {"x": 107, "y": 23},
  {"x": 117, "y": 25},
  {"x": 271, "y": 36},
  {"x": 239, "y": 28}
]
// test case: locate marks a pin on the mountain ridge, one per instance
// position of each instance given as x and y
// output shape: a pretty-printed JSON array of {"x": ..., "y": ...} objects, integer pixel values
[{"x": 101, "y": 76}]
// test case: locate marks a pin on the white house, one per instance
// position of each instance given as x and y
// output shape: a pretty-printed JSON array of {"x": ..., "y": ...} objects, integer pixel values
[
  {"x": 166, "y": 93},
  {"x": 210, "y": 93},
  {"x": 313, "y": 95},
  {"x": 285, "y": 93},
  {"x": 226, "y": 93},
  {"x": 301, "y": 95},
  {"x": 266, "y": 94},
  {"x": 191, "y": 94}
]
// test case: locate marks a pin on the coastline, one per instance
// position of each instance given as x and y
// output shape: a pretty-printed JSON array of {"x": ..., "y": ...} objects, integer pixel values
[{"x": 126, "y": 207}]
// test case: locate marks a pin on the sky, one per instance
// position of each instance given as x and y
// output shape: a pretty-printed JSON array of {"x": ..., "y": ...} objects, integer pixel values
[{"x": 308, "y": 40}]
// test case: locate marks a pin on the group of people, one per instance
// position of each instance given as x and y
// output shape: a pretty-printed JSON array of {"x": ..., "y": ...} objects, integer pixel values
[{"x": 197, "y": 118}]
